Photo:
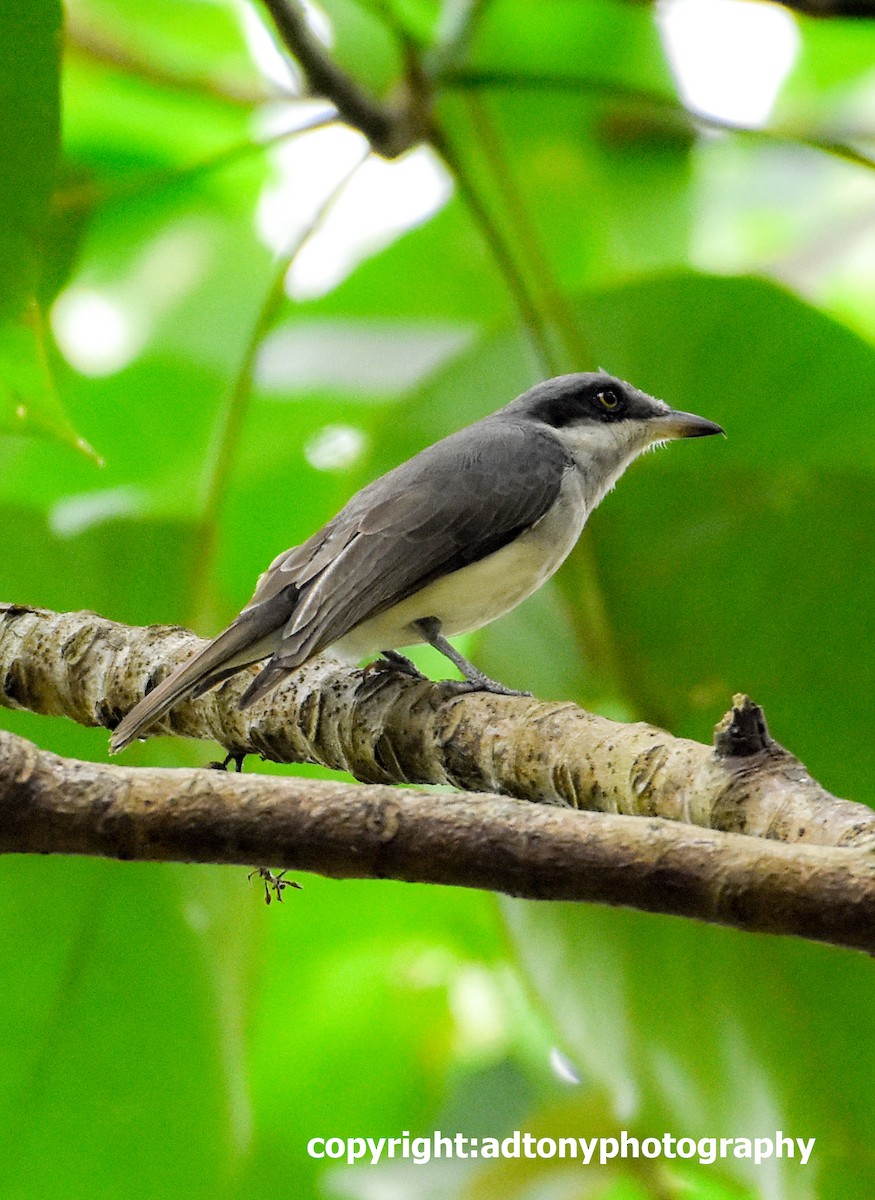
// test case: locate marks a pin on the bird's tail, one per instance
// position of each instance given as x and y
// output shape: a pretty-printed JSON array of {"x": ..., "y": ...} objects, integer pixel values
[{"x": 244, "y": 642}]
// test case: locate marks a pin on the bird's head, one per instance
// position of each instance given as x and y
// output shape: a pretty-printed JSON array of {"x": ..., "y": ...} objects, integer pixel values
[
  {"x": 598, "y": 407},
  {"x": 604, "y": 423},
  {"x": 596, "y": 411}
]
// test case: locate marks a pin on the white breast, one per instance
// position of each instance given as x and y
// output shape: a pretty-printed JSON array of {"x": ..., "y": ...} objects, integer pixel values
[{"x": 484, "y": 590}]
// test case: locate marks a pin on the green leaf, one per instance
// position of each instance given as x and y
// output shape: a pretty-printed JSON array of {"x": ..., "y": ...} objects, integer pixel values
[
  {"x": 29, "y": 143},
  {"x": 708, "y": 1032},
  {"x": 29, "y": 136},
  {"x": 29, "y": 402},
  {"x": 749, "y": 553},
  {"x": 732, "y": 566},
  {"x": 115, "y": 1065}
]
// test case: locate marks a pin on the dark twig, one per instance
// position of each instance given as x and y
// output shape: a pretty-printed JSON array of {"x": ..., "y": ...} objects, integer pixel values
[{"x": 391, "y": 129}]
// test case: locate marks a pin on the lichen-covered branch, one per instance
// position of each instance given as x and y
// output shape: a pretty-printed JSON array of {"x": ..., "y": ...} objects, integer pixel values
[
  {"x": 51, "y": 805},
  {"x": 388, "y": 728}
]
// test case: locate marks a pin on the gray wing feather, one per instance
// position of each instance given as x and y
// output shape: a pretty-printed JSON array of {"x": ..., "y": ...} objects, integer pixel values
[
  {"x": 233, "y": 649},
  {"x": 454, "y": 503},
  {"x": 451, "y": 505}
]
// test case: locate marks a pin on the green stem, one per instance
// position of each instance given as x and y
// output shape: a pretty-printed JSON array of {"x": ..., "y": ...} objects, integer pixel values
[
  {"x": 560, "y": 312},
  {"x": 88, "y": 196},
  {"x": 227, "y": 432},
  {"x": 468, "y": 81},
  {"x": 35, "y": 318},
  {"x": 516, "y": 282}
]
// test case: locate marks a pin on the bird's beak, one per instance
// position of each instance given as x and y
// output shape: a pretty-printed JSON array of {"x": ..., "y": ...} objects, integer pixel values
[{"x": 676, "y": 424}]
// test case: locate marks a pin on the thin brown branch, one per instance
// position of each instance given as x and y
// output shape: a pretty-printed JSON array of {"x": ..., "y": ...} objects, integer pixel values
[
  {"x": 51, "y": 805},
  {"x": 387, "y": 728},
  {"x": 391, "y": 128}
]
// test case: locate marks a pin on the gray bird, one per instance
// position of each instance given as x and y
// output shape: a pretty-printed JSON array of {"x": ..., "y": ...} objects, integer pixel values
[{"x": 441, "y": 545}]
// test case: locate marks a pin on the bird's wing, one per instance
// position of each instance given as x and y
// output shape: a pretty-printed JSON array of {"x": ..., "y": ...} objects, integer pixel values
[
  {"x": 455, "y": 503},
  {"x": 248, "y": 639}
]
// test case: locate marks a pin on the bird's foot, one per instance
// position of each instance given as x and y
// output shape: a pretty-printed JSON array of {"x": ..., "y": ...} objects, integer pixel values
[
  {"x": 274, "y": 882},
  {"x": 378, "y": 672},
  {"x": 462, "y": 687},
  {"x": 474, "y": 681},
  {"x": 401, "y": 663}
]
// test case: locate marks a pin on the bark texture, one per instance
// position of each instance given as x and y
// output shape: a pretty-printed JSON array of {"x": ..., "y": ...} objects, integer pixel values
[{"x": 384, "y": 727}]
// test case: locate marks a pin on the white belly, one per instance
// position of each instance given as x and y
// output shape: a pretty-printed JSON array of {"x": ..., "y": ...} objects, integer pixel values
[{"x": 482, "y": 591}]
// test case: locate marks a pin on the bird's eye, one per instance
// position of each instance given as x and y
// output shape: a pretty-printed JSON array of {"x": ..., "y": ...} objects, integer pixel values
[{"x": 609, "y": 400}]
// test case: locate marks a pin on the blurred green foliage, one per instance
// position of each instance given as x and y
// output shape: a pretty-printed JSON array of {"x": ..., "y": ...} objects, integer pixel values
[{"x": 164, "y": 1033}]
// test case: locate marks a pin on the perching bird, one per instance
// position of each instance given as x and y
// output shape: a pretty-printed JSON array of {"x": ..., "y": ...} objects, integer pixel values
[{"x": 441, "y": 545}]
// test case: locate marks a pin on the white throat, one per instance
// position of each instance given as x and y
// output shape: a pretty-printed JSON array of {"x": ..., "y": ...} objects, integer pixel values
[{"x": 603, "y": 452}]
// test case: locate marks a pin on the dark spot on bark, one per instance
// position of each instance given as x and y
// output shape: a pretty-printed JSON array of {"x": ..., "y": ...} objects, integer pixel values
[
  {"x": 107, "y": 716},
  {"x": 12, "y": 611},
  {"x": 13, "y": 685},
  {"x": 386, "y": 758}
]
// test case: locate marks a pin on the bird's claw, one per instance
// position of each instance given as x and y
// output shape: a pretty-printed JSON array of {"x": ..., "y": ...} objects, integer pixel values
[
  {"x": 464, "y": 687},
  {"x": 391, "y": 660}
]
